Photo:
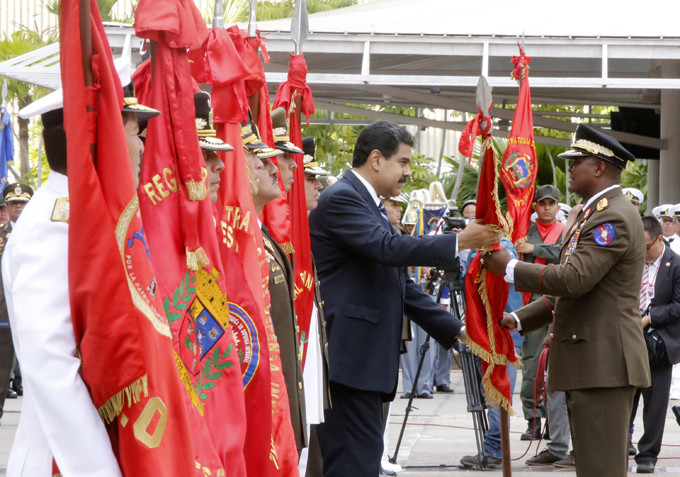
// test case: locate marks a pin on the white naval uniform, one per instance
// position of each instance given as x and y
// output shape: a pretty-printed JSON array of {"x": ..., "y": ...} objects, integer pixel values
[
  {"x": 674, "y": 241},
  {"x": 58, "y": 417}
]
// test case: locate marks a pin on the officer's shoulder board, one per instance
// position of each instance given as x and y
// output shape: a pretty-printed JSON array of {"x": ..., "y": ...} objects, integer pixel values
[{"x": 61, "y": 210}]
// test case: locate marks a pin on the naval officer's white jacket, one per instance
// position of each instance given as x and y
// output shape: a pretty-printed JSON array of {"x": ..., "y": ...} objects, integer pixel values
[{"x": 58, "y": 418}]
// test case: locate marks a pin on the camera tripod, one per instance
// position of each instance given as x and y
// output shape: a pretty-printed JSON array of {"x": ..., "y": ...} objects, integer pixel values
[{"x": 472, "y": 376}]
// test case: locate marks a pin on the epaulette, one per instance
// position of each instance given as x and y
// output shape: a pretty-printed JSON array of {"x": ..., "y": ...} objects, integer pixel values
[{"x": 61, "y": 210}]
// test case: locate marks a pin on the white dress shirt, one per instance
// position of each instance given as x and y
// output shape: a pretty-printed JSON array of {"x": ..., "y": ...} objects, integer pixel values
[{"x": 58, "y": 418}]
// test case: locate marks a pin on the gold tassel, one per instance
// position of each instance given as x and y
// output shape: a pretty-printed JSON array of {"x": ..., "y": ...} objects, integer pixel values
[
  {"x": 132, "y": 393},
  {"x": 197, "y": 190},
  {"x": 197, "y": 260},
  {"x": 288, "y": 248}
]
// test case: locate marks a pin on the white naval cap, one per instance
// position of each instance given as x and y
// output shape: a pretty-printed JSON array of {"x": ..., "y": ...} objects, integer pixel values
[
  {"x": 674, "y": 211},
  {"x": 55, "y": 100},
  {"x": 634, "y": 195},
  {"x": 661, "y": 211},
  {"x": 564, "y": 208}
]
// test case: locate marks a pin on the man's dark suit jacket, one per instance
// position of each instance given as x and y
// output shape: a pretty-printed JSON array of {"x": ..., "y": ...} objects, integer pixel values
[
  {"x": 366, "y": 288},
  {"x": 665, "y": 306}
]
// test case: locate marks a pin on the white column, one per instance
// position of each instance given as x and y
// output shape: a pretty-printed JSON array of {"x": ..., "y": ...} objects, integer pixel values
[{"x": 669, "y": 165}]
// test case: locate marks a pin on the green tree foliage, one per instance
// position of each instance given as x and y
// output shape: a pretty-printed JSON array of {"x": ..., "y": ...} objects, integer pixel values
[{"x": 105, "y": 10}]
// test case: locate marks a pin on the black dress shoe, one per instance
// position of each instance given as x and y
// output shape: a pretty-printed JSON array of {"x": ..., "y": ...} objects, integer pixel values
[
  {"x": 631, "y": 448},
  {"x": 443, "y": 388},
  {"x": 425, "y": 395},
  {"x": 17, "y": 388},
  {"x": 406, "y": 396},
  {"x": 645, "y": 469},
  {"x": 11, "y": 394}
]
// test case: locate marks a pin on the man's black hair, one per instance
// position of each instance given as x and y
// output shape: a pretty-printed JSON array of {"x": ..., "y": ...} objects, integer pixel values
[
  {"x": 384, "y": 136},
  {"x": 54, "y": 138},
  {"x": 652, "y": 226}
]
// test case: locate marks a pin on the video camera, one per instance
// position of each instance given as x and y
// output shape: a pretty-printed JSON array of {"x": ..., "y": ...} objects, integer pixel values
[{"x": 451, "y": 222}]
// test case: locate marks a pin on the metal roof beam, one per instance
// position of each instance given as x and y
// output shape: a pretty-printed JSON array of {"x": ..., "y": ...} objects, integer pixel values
[
  {"x": 436, "y": 101},
  {"x": 427, "y": 123}
]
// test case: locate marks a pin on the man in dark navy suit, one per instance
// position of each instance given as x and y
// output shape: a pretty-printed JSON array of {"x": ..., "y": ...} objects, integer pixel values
[{"x": 366, "y": 290}]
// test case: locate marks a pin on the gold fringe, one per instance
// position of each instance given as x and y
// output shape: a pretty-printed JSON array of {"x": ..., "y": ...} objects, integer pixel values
[
  {"x": 197, "y": 260},
  {"x": 288, "y": 248},
  {"x": 493, "y": 395},
  {"x": 197, "y": 190},
  {"x": 114, "y": 406}
]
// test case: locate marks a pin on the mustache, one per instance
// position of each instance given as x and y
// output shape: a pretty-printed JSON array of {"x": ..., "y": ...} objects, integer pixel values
[{"x": 402, "y": 180}]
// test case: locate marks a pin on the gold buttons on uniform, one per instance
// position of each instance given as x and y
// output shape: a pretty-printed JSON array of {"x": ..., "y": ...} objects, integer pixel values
[
  {"x": 300, "y": 385},
  {"x": 573, "y": 337},
  {"x": 322, "y": 303},
  {"x": 297, "y": 328},
  {"x": 324, "y": 324},
  {"x": 325, "y": 346}
]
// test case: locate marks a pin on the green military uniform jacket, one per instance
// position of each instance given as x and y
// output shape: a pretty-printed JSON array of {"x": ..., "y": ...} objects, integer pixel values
[
  {"x": 593, "y": 298},
  {"x": 281, "y": 289},
  {"x": 549, "y": 251}
]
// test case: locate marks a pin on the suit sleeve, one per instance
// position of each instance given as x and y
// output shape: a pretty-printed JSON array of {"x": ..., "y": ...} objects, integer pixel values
[
  {"x": 426, "y": 313},
  {"x": 36, "y": 286},
  {"x": 352, "y": 224},
  {"x": 587, "y": 264},
  {"x": 549, "y": 251},
  {"x": 664, "y": 315},
  {"x": 536, "y": 315}
]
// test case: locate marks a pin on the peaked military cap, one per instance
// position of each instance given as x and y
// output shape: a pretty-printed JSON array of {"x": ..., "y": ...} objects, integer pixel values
[
  {"x": 661, "y": 212},
  {"x": 674, "y": 211},
  {"x": 590, "y": 142},
  {"x": 309, "y": 163},
  {"x": 397, "y": 198},
  {"x": 131, "y": 105},
  {"x": 17, "y": 192},
  {"x": 281, "y": 135},
  {"x": 565, "y": 208},
  {"x": 634, "y": 195},
  {"x": 252, "y": 140},
  {"x": 207, "y": 136}
]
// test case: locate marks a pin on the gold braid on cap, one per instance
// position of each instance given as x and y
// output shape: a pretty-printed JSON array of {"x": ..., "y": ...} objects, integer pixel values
[
  {"x": 281, "y": 135},
  {"x": 207, "y": 133},
  {"x": 312, "y": 164},
  {"x": 127, "y": 101},
  {"x": 593, "y": 148}
]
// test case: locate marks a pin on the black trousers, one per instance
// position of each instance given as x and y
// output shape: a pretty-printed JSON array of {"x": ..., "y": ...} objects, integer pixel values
[
  {"x": 351, "y": 438},
  {"x": 653, "y": 413}
]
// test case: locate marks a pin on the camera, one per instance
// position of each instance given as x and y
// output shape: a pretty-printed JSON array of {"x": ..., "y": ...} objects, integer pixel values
[{"x": 450, "y": 221}]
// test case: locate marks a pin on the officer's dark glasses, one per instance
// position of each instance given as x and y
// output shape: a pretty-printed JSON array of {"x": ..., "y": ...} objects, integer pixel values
[{"x": 653, "y": 242}]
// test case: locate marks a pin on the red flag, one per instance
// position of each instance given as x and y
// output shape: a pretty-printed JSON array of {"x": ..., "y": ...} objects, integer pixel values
[
  {"x": 296, "y": 87},
  {"x": 191, "y": 280},
  {"x": 270, "y": 443},
  {"x": 486, "y": 294},
  {"x": 121, "y": 331},
  {"x": 519, "y": 166}
]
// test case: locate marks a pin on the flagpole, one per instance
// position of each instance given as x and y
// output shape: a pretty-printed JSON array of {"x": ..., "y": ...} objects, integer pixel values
[{"x": 86, "y": 50}]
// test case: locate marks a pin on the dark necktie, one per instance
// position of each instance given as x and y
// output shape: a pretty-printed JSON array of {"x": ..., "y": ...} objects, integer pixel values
[{"x": 386, "y": 221}]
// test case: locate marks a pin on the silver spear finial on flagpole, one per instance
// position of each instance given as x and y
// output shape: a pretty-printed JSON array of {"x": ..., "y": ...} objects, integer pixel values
[
  {"x": 252, "y": 19},
  {"x": 218, "y": 15},
  {"x": 299, "y": 25}
]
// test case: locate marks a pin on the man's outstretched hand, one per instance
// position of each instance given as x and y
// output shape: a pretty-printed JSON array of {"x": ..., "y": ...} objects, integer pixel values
[
  {"x": 496, "y": 261},
  {"x": 477, "y": 235},
  {"x": 508, "y": 321}
]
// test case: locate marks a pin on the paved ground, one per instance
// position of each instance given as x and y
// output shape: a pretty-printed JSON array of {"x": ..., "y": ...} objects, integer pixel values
[{"x": 439, "y": 433}]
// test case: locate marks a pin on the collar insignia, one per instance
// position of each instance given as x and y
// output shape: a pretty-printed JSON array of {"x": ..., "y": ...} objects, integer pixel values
[{"x": 602, "y": 204}]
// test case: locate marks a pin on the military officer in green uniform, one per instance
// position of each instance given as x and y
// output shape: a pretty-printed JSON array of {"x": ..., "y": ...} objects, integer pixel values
[
  {"x": 281, "y": 288},
  {"x": 598, "y": 355},
  {"x": 542, "y": 245}
]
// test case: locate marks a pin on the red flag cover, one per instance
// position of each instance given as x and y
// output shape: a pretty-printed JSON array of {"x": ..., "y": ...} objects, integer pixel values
[
  {"x": 270, "y": 444},
  {"x": 468, "y": 137},
  {"x": 191, "y": 284},
  {"x": 296, "y": 87},
  {"x": 486, "y": 294},
  {"x": 121, "y": 331},
  {"x": 519, "y": 166}
]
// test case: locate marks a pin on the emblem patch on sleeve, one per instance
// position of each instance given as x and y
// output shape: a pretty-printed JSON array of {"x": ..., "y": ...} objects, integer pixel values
[{"x": 604, "y": 234}]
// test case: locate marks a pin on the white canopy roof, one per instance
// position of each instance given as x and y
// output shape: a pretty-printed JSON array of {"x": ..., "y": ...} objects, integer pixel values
[{"x": 603, "y": 18}]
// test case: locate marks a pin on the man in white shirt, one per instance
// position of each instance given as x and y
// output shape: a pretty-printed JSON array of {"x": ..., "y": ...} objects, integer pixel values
[
  {"x": 59, "y": 420},
  {"x": 665, "y": 216}
]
